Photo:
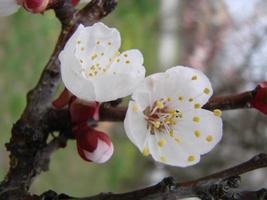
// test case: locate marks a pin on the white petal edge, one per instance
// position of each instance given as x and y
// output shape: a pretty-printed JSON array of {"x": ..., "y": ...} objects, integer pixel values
[
  {"x": 102, "y": 153},
  {"x": 8, "y": 7},
  {"x": 136, "y": 126},
  {"x": 209, "y": 131}
]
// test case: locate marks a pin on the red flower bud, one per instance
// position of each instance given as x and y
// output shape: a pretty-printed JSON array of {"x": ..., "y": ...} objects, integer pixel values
[
  {"x": 35, "y": 6},
  {"x": 75, "y": 2},
  {"x": 81, "y": 111},
  {"x": 93, "y": 145},
  {"x": 260, "y": 100},
  {"x": 63, "y": 99}
]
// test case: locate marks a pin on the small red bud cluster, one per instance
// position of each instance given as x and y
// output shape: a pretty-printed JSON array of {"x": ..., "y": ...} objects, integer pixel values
[{"x": 92, "y": 145}]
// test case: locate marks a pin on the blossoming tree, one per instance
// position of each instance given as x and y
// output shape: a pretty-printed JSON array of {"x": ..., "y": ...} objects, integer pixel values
[{"x": 172, "y": 115}]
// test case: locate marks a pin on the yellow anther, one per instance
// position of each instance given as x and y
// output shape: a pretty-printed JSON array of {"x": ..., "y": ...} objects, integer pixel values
[
  {"x": 118, "y": 60},
  {"x": 163, "y": 159},
  {"x": 173, "y": 113},
  {"x": 78, "y": 41},
  {"x": 94, "y": 57},
  {"x": 125, "y": 55},
  {"x": 127, "y": 61},
  {"x": 135, "y": 108},
  {"x": 217, "y": 112},
  {"x": 190, "y": 99},
  {"x": 82, "y": 49},
  {"x": 180, "y": 115},
  {"x": 209, "y": 138},
  {"x": 117, "y": 53},
  {"x": 191, "y": 158},
  {"x": 194, "y": 78},
  {"x": 196, "y": 119},
  {"x": 197, "y": 106},
  {"x": 180, "y": 98},
  {"x": 162, "y": 142},
  {"x": 197, "y": 133},
  {"x": 171, "y": 133},
  {"x": 159, "y": 104},
  {"x": 173, "y": 123},
  {"x": 157, "y": 124},
  {"x": 177, "y": 140},
  {"x": 146, "y": 151},
  {"x": 169, "y": 99},
  {"x": 206, "y": 90}
]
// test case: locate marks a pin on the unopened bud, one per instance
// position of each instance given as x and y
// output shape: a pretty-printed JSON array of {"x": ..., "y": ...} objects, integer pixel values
[
  {"x": 35, "y": 6},
  {"x": 93, "y": 145},
  {"x": 260, "y": 100}
]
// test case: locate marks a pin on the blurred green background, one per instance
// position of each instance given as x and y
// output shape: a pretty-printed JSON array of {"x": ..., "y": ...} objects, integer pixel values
[
  {"x": 27, "y": 41},
  {"x": 210, "y": 35}
]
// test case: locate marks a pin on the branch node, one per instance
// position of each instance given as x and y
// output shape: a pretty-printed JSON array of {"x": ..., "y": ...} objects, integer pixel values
[{"x": 168, "y": 184}]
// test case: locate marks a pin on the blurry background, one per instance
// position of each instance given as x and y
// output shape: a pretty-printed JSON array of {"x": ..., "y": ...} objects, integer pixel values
[{"x": 226, "y": 39}]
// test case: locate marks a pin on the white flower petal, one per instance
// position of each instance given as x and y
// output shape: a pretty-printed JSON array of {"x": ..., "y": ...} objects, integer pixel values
[
  {"x": 147, "y": 91},
  {"x": 171, "y": 152},
  {"x": 199, "y": 137},
  {"x": 73, "y": 80},
  {"x": 97, "y": 45},
  {"x": 189, "y": 85},
  {"x": 194, "y": 84},
  {"x": 136, "y": 126},
  {"x": 8, "y": 7},
  {"x": 122, "y": 78}
]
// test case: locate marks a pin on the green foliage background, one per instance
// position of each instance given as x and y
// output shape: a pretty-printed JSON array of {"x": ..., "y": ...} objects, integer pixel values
[{"x": 26, "y": 42}]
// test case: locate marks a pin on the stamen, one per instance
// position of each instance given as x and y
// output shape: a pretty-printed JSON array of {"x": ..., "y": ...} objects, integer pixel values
[
  {"x": 206, "y": 90},
  {"x": 217, "y": 112},
  {"x": 209, "y": 138},
  {"x": 146, "y": 151},
  {"x": 196, "y": 119},
  {"x": 197, "y": 133},
  {"x": 191, "y": 158},
  {"x": 162, "y": 142},
  {"x": 194, "y": 78},
  {"x": 163, "y": 159}
]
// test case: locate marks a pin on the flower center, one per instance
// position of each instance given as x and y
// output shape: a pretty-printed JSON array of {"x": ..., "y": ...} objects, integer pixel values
[{"x": 160, "y": 117}]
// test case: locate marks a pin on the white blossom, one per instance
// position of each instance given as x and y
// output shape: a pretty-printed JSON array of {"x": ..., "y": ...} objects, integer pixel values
[
  {"x": 166, "y": 119},
  {"x": 8, "y": 7},
  {"x": 93, "y": 69}
]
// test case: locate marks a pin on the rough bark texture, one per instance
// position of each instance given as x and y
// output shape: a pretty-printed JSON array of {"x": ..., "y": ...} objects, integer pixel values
[{"x": 30, "y": 151}]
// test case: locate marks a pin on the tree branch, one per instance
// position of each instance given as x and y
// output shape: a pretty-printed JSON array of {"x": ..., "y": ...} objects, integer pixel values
[{"x": 221, "y": 185}]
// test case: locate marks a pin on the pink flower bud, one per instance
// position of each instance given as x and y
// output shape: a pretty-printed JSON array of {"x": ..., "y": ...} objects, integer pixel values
[
  {"x": 35, "y": 6},
  {"x": 93, "y": 145},
  {"x": 260, "y": 100}
]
